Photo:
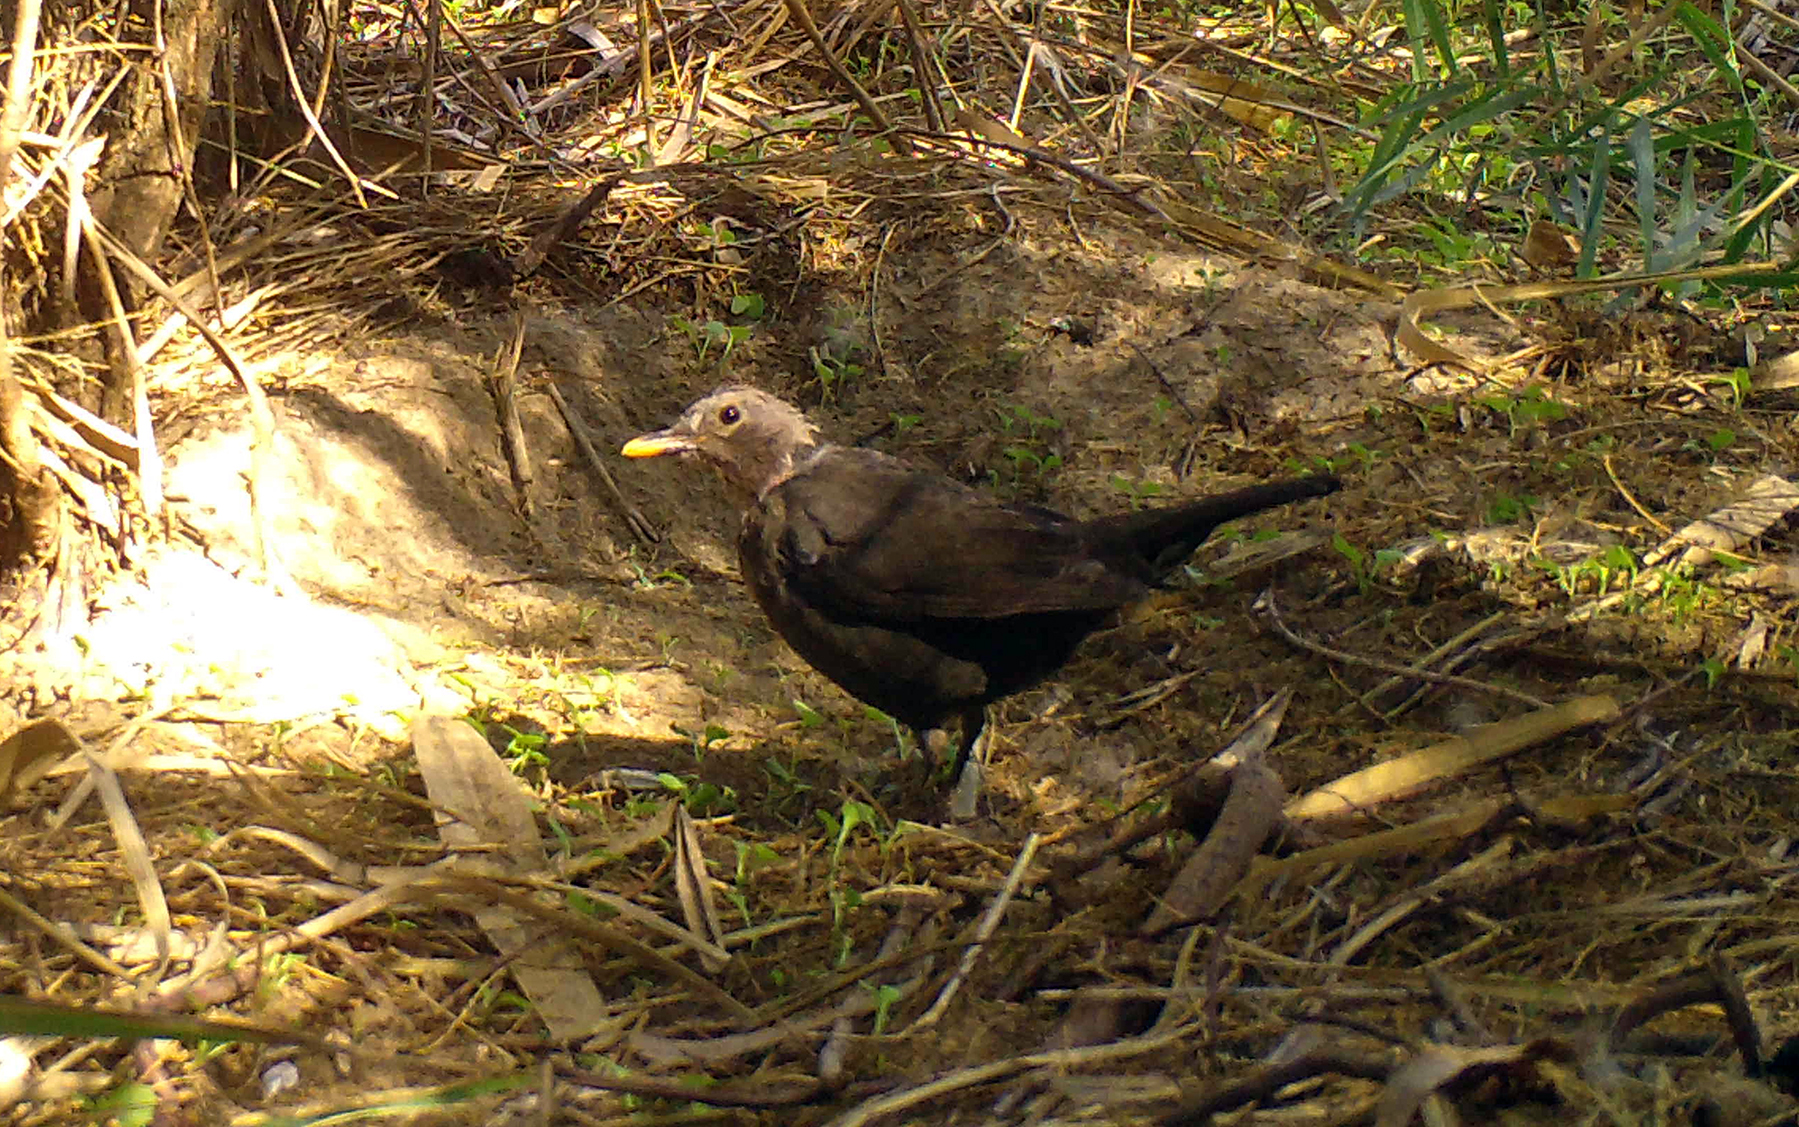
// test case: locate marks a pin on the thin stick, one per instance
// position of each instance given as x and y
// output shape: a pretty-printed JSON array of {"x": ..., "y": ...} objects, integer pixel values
[
  {"x": 988, "y": 925},
  {"x": 1265, "y": 603},
  {"x": 18, "y": 83},
  {"x": 312, "y": 119},
  {"x": 803, "y": 16},
  {"x": 639, "y": 524}
]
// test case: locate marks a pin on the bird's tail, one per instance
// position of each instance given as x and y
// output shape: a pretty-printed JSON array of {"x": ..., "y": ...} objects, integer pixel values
[{"x": 1164, "y": 538}]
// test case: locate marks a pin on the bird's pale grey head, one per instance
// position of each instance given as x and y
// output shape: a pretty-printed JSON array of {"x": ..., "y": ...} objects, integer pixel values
[{"x": 749, "y": 436}]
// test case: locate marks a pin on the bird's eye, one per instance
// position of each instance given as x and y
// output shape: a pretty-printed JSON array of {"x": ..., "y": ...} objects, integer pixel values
[{"x": 729, "y": 415}]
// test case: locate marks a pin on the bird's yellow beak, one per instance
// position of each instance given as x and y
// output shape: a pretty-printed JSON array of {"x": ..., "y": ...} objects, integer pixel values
[{"x": 654, "y": 445}]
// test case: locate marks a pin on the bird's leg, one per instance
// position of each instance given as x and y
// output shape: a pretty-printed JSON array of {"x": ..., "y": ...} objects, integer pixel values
[{"x": 971, "y": 763}]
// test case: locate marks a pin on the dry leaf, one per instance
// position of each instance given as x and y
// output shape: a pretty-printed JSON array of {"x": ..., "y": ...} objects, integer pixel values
[
  {"x": 1730, "y": 528},
  {"x": 1550, "y": 247},
  {"x": 693, "y": 885},
  {"x": 492, "y": 813},
  {"x": 29, "y": 753}
]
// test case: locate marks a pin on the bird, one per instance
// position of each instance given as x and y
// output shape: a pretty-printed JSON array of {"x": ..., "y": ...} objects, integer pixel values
[{"x": 915, "y": 593}]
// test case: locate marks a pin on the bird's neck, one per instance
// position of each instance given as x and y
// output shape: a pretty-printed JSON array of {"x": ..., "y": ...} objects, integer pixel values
[{"x": 776, "y": 465}]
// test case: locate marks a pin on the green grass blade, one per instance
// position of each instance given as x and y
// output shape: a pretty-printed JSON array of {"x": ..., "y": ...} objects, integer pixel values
[
  {"x": 1642, "y": 158},
  {"x": 1598, "y": 179},
  {"x": 58, "y": 1019},
  {"x": 1424, "y": 20},
  {"x": 1713, "y": 40},
  {"x": 1495, "y": 26}
]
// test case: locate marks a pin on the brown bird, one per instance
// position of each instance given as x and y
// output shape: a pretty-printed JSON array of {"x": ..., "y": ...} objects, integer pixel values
[{"x": 913, "y": 592}]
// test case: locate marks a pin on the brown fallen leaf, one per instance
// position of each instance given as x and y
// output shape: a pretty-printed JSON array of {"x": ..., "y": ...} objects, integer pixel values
[
  {"x": 489, "y": 811},
  {"x": 1550, "y": 247},
  {"x": 1730, "y": 528},
  {"x": 29, "y": 753}
]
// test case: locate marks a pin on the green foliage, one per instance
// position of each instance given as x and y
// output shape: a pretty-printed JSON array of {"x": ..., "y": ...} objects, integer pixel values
[
  {"x": 702, "y": 799},
  {"x": 809, "y": 716},
  {"x": 1713, "y": 669},
  {"x": 1028, "y": 451},
  {"x": 831, "y": 372},
  {"x": 712, "y": 334},
  {"x": 1508, "y": 509},
  {"x": 1630, "y": 156},
  {"x": 1138, "y": 491},
  {"x": 1527, "y": 409},
  {"x": 702, "y": 741},
  {"x": 1366, "y": 568},
  {"x": 1737, "y": 384},
  {"x": 127, "y": 1105},
  {"x": 785, "y": 781},
  {"x": 525, "y": 749},
  {"x": 648, "y": 582},
  {"x": 1713, "y": 444},
  {"x": 884, "y": 996},
  {"x": 1615, "y": 568},
  {"x": 841, "y": 827}
]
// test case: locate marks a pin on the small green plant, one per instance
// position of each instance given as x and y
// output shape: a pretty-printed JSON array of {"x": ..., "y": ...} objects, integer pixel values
[
  {"x": 753, "y": 855},
  {"x": 702, "y": 741},
  {"x": 809, "y": 717},
  {"x": 712, "y": 334},
  {"x": 1363, "y": 566},
  {"x": 128, "y": 1105},
  {"x": 525, "y": 750},
  {"x": 1138, "y": 491},
  {"x": 702, "y": 799},
  {"x": 1790, "y": 655},
  {"x": 884, "y": 996},
  {"x": 785, "y": 778},
  {"x": 1713, "y": 444},
  {"x": 1507, "y": 509},
  {"x": 1528, "y": 409},
  {"x": 1014, "y": 419},
  {"x": 832, "y": 373},
  {"x": 1737, "y": 385},
  {"x": 1432, "y": 415},
  {"x": 748, "y": 305},
  {"x": 1028, "y": 453},
  {"x": 648, "y": 582},
  {"x": 1024, "y": 460},
  {"x": 840, "y": 827}
]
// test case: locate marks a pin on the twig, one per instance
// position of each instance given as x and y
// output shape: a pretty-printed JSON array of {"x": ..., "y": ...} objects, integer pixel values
[
  {"x": 262, "y": 419},
  {"x": 1043, "y": 156},
  {"x": 1250, "y": 812},
  {"x": 1269, "y": 1079},
  {"x": 566, "y": 224},
  {"x": 18, "y": 83},
  {"x": 989, "y": 923},
  {"x": 1265, "y": 604},
  {"x": 1631, "y": 498},
  {"x": 312, "y": 119},
  {"x": 1162, "y": 379},
  {"x": 931, "y": 1092},
  {"x": 504, "y": 386},
  {"x": 124, "y": 355},
  {"x": 639, "y": 524},
  {"x": 802, "y": 15}
]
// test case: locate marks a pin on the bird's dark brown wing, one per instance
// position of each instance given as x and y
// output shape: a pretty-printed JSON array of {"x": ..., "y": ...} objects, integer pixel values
[{"x": 865, "y": 537}]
